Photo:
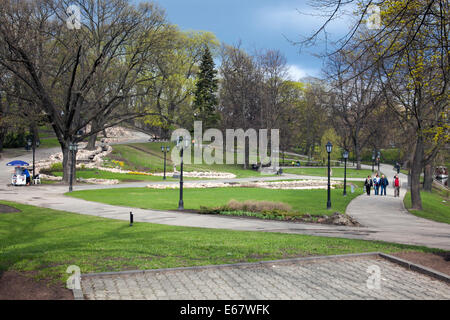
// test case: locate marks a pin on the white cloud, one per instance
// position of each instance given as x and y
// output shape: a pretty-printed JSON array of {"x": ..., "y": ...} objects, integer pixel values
[
  {"x": 295, "y": 72},
  {"x": 301, "y": 20}
]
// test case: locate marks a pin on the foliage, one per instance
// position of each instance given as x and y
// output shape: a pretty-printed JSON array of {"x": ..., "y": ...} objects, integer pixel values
[
  {"x": 336, "y": 172},
  {"x": 170, "y": 83},
  {"x": 14, "y": 140},
  {"x": 330, "y": 136},
  {"x": 205, "y": 100}
]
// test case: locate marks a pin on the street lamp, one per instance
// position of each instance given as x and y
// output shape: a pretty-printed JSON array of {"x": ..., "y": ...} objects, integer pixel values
[
  {"x": 373, "y": 160},
  {"x": 345, "y": 155},
  {"x": 32, "y": 144},
  {"x": 181, "y": 145},
  {"x": 329, "y": 149},
  {"x": 73, "y": 147},
  {"x": 165, "y": 149}
]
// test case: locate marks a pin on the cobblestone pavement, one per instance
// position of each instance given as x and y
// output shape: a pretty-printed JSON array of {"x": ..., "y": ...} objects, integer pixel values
[{"x": 328, "y": 279}]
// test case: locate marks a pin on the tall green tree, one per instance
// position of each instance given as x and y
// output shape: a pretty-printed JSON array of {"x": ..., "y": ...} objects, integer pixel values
[{"x": 205, "y": 101}]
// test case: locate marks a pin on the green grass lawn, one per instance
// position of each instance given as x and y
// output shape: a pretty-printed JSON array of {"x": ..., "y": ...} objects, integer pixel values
[
  {"x": 303, "y": 201},
  {"x": 436, "y": 206},
  {"x": 337, "y": 172},
  {"x": 148, "y": 157},
  {"x": 122, "y": 177},
  {"x": 48, "y": 241},
  {"x": 49, "y": 143}
]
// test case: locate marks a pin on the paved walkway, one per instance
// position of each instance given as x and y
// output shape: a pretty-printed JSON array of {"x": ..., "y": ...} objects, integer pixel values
[
  {"x": 383, "y": 218},
  {"x": 389, "y": 214},
  {"x": 327, "y": 279}
]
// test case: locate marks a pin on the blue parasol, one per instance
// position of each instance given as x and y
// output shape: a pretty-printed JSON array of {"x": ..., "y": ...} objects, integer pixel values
[{"x": 16, "y": 163}]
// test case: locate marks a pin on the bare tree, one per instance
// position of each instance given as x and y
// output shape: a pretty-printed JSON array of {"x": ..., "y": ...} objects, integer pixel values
[
  {"x": 354, "y": 98},
  {"x": 62, "y": 67}
]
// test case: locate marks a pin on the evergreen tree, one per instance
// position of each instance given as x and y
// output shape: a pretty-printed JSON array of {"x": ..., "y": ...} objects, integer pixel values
[{"x": 205, "y": 101}]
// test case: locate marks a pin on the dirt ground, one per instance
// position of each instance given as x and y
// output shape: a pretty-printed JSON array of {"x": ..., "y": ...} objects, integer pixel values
[
  {"x": 8, "y": 209},
  {"x": 436, "y": 262},
  {"x": 22, "y": 286}
]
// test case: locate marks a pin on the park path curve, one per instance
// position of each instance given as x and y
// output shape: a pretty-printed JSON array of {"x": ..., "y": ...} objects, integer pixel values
[
  {"x": 383, "y": 218},
  {"x": 388, "y": 213}
]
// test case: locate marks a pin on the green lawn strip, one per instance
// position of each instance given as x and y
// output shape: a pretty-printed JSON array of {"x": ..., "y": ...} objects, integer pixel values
[
  {"x": 49, "y": 143},
  {"x": 304, "y": 201},
  {"x": 48, "y": 241},
  {"x": 337, "y": 172},
  {"x": 434, "y": 207},
  {"x": 123, "y": 177}
]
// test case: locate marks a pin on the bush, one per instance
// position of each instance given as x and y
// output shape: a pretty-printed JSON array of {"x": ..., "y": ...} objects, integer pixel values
[
  {"x": 264, "y": 207},
  {"x": 258, "y": 206},
  {"x": 56, "y": 167},
  {"x": 387, "y": 156},
  {"x": 13, "y": 140}
]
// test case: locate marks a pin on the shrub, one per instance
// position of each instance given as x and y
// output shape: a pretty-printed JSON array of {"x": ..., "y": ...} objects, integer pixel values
[
  {"x": 14, "y": 140},
  {"x": 258, "y": 206},
  {"x": 56, "y": 167}
]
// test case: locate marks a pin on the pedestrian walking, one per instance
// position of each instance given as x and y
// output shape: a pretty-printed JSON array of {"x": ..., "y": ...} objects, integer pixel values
[
  {"x": 383, "y": 184},
  {"x": 368, "y": 184},
  {"x": 396, "y": 186},
  {"x": 397, "y": 167},
  {"x": 376, "y": 184}
]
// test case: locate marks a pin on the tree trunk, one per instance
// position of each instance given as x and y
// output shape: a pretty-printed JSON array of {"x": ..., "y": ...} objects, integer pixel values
[
  {"x": 428, "y": 178},
  {"x": 358, "y": 159},
  {"x": 2, "y": 128},
  {"x": 91, "y": 142},
  {"x": 67, "y": 163},
  {"x": 93, "y": 138},
  {"x": 2, "y": 137},
  {"x": 416, "y": 170},
  {"x": 246, "y": 155},
  {"x": 357, "y": 154}
]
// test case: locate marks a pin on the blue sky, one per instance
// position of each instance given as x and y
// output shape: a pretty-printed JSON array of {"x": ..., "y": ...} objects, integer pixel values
[{"x": 258, "y": 24}]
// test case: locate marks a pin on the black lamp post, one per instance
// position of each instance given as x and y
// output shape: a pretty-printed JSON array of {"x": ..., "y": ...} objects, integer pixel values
[
  {"x": 73, "y": 147},
  {"x": 373, "y": 161},
  {"x": 345, "y": 155},
  {"x": 165, "y": 149},
  {"x": 32, "y": 144},
  {"x": 329, "y": 149},
  {"x": 181, "y": 146}
]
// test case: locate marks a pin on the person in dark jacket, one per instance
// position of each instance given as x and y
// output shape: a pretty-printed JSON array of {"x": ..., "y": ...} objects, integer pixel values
[
  {"x": 383, "y": 183},
  {"x": 368, "y": 184},
  {"x": 28, "y": 176}
]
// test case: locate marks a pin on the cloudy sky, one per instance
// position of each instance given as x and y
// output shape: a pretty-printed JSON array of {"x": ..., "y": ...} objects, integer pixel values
[{"x": 258, "y": 24}]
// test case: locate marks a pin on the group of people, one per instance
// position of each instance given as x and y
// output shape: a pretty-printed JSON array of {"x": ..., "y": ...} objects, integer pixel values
[{"x": 379, "y": 185}]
